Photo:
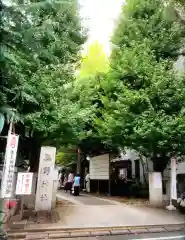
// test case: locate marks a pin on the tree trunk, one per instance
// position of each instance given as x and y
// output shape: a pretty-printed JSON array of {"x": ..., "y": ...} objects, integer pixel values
[
  {"x": 160, "y": 162},
  {"x": 34, "y": 154}
]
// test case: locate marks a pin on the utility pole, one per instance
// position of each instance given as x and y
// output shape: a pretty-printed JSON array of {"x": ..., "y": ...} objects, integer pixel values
[{"x": 109, "y": 184}]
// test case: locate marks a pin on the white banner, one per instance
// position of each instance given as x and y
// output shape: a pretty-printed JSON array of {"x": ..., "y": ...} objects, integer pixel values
[
  {"x": 173, "y": 179},
  {"x": 24, "y": 183},
  {"x": 45, "y": 179},
  {"x": 9, "y": 166}
]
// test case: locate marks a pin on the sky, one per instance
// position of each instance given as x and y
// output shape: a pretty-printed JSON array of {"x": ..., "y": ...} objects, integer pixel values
[{"x": 100, "y": 17}]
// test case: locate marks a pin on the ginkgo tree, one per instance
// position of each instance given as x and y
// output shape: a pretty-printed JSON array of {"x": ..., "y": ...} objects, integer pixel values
[
  {"x": 144, "y": 97},
  {"x": 87, "y": 90},
  {"x": 40, "y": 45}
]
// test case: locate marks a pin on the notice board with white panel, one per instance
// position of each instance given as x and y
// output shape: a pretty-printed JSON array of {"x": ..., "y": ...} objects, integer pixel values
[{"x": 99, "y": 167}]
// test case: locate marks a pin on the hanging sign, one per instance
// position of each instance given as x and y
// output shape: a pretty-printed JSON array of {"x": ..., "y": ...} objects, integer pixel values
[{"x": 9, "y": 165}]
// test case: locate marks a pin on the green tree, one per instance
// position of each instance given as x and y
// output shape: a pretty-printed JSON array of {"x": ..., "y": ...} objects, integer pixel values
[
  {"x": 94, "y": 61},
  {"x": 66, "y": 156},
  {"x": 12, "y": 58},
  {"x": 87, "y": 91},
  {"x": 144, "y": 102},
  {"x": 40, "y": 44}
]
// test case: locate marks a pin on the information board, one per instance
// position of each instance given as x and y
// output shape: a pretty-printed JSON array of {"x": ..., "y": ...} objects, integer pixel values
[{"x": 24, "y": 183}]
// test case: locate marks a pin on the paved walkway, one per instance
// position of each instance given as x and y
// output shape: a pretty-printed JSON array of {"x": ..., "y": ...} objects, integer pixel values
[
  {"x": 85, "y": 199},
  {"x": 89, "y": 212}
]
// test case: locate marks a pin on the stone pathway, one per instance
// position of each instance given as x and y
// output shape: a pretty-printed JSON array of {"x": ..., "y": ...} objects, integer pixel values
[{"x": 92, "y": 212}]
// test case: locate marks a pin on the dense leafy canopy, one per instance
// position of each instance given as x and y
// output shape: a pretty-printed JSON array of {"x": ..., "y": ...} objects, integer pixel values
[
  {"x": 40, "y": 44},
  {"x": 66, "y": 156},
  {"x": 144, "y": 102},
  {"x": 85, "y": 93},
  {"x": 87, "y": 90}
]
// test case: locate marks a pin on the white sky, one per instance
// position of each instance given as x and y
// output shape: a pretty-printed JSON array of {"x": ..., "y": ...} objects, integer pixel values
[{"x": 101, "y": 16}]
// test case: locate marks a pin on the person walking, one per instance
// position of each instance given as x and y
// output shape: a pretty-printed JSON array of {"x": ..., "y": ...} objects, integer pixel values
[
  {"x": 76, "y": 185},
  {"x": 69, "y": 184}
]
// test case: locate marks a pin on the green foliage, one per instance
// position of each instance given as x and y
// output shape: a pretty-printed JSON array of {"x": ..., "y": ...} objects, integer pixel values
[
  {"x": 144, "y": 101},
  {"x": 145, "y": 22},
  {"x": 87, "y": 91},
  {"x": 40, "y": 44},
  {"x": 66, "y": 157},
  {"x": 95, "y": 61},
  {"x": 134, "y": 99}
]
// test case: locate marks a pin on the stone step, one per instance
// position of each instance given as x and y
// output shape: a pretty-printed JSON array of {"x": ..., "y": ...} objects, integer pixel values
[{"x": 57, "y": 234}]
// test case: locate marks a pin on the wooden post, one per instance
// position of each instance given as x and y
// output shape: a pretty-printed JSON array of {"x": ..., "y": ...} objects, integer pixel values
[
  {"x": 22, "y": 208},
  {"x": 78, "y": 162},
  {"x": 109, "y": 190}
]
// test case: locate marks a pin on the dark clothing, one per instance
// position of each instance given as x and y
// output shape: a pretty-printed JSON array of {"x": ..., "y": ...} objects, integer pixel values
[
  {"x": 76, "y": 190},
  {"x": 62, "y": 178},
  {"x": 68, "y": 186}
]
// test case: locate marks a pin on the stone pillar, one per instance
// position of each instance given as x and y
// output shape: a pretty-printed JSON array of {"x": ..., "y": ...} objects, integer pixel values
[
  {"x": 45, "y": 179},
  {"x": 155, "y": 188}
]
